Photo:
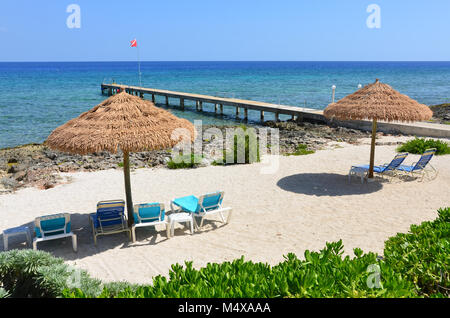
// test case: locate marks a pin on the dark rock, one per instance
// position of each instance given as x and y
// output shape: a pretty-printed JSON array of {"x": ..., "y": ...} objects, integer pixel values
[{"x": 20, "y": 176}]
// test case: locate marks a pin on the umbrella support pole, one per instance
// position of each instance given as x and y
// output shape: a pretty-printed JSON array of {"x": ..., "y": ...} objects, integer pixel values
[
  {"x": 126, "y": 172},
  {"x": 372, "y": 148}
]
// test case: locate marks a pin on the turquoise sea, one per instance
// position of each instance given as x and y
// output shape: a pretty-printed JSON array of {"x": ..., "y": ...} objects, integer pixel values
[{"x": 36, "y": 97}]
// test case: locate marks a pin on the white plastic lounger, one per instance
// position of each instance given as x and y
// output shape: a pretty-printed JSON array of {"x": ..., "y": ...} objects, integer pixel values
[
  {"x": 52, "y": 227},
  {"x": 203, "y": 206},
  {"x": 148, "y": 214}
]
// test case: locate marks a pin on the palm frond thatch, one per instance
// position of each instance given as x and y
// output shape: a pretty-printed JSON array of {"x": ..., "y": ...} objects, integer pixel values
[
  {"x": 124, "y": 122},
  {"x": 378, "y": 101}
]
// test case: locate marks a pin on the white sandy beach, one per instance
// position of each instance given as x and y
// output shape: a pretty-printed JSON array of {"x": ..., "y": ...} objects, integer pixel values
[{"x": 306, "y": 203}]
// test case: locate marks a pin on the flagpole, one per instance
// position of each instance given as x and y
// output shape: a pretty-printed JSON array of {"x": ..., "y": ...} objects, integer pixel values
[{"x": 139, "y": 66}]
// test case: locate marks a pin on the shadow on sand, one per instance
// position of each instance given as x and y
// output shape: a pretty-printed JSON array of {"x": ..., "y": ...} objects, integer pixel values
[
  {"x": 81, "y": 227},
  {"x": 327, "y": 184}
]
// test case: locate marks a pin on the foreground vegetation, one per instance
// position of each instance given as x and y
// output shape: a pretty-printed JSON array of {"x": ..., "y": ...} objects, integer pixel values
[
  {"x": 415, "y": 264},
  {"x": 419, "y": 145}
]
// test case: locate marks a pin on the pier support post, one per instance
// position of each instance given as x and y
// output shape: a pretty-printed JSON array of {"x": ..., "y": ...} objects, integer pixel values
[
  {"x": 141, "y": 95},
  {"x": 237, "y": 112},
  {"x": 182, "y": 103},
  {"x": 246, "y": 114},
  {"x": 215, "y": 108},
  {"x": 277, "y": 117},
  {"x": 153, "y": 98},
  {"x": 221, "y": 109},
  {"x": 200, "y": 104},
  {"x": 262, "y": 116},
  {"x": 109, "y": 91},
  {"x": 197, "y": 107},
  {"x": 167, "y": 100}
]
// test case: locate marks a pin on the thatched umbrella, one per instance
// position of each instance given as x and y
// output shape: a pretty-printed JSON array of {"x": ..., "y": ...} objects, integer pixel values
[
  {"x": 123, "y": 122},
  {"x": 377, "y": 101}
]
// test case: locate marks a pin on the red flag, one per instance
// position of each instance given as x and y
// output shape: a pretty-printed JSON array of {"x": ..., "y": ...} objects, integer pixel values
[{"x": 133, "y": 43}]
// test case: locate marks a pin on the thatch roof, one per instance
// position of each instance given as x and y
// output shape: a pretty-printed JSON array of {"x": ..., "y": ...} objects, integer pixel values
[
  {"x": 124, "y": 122},
  {"x": 378, "y": 101}
]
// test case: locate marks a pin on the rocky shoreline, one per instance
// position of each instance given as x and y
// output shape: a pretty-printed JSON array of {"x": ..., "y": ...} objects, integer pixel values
[
  {"x": 38, "y": 166},
  {"x": 441, "y": 113}
]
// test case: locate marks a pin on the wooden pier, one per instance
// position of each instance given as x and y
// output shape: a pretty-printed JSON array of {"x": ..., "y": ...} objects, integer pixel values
[
  {"x": 295, "y": 112},
  {"x": 218, "y": 102}
]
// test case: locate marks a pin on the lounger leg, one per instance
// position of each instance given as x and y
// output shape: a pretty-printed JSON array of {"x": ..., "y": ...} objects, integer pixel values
[
  {"x": 229, "y": 216},
  {"x": 195, "y": 222},
  {"x": 172, "y": 228},
  {"x": 35, "y": 245},
  {"x": 74, "y": 243},
  {"x": 221, "y": 216},
  {"x": 133, "y": 234},
  {"x": 93, "y": 231},
  {"x": 191, "y": 223},
  {"x": 167, "y": 230},
  {"x": 28, "y": 238}
]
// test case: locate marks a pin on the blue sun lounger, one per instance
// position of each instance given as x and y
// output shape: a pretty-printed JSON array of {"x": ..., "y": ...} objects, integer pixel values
[
  {"x": 52, "y": 227},
  {"x": 148, "y": 214},
  {"x": 203, "y": 206},
  {"x": 419, "y": 166},
  {"x": 109, "y": 219},
  {"x": 383, "y": 169}
]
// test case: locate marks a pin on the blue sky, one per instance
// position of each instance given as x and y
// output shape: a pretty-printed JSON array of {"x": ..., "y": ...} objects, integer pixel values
[{"x": 204, "y": 30}]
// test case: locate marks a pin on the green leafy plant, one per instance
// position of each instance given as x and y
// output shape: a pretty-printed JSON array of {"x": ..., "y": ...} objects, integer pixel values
[
  {"x": 419, "y": 145},
  {"x": 321, "y": 274},
  {"x": 423, "y": 255},
  {"x": 184, "y": 161},
  {"x": 300, "y": 150}
]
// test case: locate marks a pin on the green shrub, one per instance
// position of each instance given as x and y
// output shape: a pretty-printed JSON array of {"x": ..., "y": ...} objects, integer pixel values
[
  {"x": 247, "y": 142},
  {"x": 29, "y": 273},
  {"x": 321, "y": 274},
  {"x": 423, "y": 255},
  {"x": 184, "y": 161},
  {"x": 300, "y": 151},
  {"x": 419, "y": 145}
]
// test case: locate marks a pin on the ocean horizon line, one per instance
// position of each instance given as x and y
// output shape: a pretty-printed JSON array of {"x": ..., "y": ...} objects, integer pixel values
[{"x": 237, "y": 61}]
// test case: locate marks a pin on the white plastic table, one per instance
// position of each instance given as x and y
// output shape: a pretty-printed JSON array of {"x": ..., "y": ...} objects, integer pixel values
[
  {"x": 180, "y": 217},
  {"x": 16, "y": 231},
  {"x": 357, "y": 172}
]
